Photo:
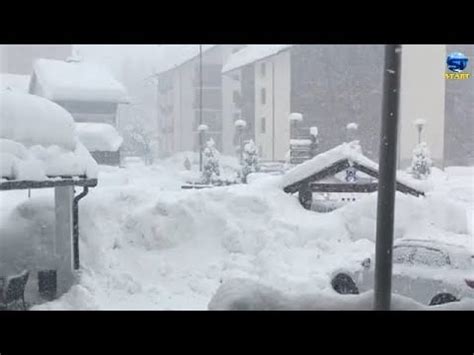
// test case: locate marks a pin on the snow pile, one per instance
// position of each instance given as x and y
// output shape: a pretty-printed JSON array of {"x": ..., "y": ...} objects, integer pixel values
[
  {"x": 242, "y": 294},
  {"x": 295, "y": 116},
  {"x": 50, "y": 149},
  {"x": 352, "y": 126},
  {"x": 147, "y": 244},
  {"x": 99, "y": 136},
  {"x": 300, "y": 141},
  {"x": 77, "y": 81},
  {"x": 251, "y": 54},
  {"x": 313, "y": 131},
  {"x": 14, "y": 82},
  {"x": 240, "y": 123},
  {"x": 31, "y": 119},
  {"x": 203, "y": 127},
  {"x": 353, "y": 153}
]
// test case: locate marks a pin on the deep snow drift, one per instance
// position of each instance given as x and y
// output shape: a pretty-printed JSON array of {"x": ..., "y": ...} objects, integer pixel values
[{"x": 147, "y": 244}]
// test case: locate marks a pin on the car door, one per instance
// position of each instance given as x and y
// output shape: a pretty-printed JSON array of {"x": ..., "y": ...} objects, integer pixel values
[{"x": 423, "y": 278}]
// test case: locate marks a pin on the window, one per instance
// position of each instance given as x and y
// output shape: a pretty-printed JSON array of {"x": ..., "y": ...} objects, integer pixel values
[
  {"x": 236, "y": 98},
  {"x": 430, "y": 257},
  {"x": 263, "y": 125},
  {"x": 263, "y": 69},
  {"x": 402, "y": 255},
  {"x": 263, "y": 96}
]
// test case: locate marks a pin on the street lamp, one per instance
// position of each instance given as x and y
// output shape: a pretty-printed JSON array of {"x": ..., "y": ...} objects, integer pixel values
[
  {"x": 419, "y": 123},
  {"x": 240, "y": 126}
]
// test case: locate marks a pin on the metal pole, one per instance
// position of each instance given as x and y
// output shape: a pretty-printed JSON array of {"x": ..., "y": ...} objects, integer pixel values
[
  {"x": 387, "y": 178},
  {"x": 273, "y": 110},
  {"x": 200, "y": 107}
]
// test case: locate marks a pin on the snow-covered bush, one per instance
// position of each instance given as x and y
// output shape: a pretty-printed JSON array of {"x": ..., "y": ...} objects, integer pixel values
[
  {"x": 421, "y": 162},
  {"x": 249, "y": 160},
  {"x": 211, "y": 168}
]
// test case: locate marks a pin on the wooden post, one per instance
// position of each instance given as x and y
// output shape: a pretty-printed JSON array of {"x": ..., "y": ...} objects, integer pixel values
[{"x": 63, "y": 199}]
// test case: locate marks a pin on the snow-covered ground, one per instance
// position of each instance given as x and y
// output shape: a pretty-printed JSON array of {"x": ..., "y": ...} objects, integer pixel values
[{"x": 148, "y": 244}]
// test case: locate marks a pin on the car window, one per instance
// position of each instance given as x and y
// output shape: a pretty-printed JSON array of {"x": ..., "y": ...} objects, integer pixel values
[
  {"x": 430, "y": 257},
  {"x": 402, "y": 255}
]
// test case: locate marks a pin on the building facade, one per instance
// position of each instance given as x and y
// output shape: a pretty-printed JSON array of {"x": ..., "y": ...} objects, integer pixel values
[{"x": 179, "y": 101}]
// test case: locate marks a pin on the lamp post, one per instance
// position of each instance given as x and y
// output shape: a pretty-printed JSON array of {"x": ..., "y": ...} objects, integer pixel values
[
  {"x": 240, "y": 126},
  {"x": 200, "y": 108},
  {"x": 419, "y": 123},
  {"x": 387, "y": 178}
]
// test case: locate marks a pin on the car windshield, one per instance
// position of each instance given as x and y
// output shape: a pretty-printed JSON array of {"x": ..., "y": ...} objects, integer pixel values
[
  {"x": 430, "y": 257},
  {"x": 402, "y": 255}
]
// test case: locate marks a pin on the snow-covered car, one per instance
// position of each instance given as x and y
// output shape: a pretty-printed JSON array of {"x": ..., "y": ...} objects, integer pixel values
[{"x": 430, "y": 272}]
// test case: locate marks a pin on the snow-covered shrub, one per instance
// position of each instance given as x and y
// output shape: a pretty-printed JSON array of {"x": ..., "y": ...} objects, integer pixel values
[
  {"x": 211, "y": 168},
  {"x": 249, "y": 160},
  {"x": 421, "y": 161}
]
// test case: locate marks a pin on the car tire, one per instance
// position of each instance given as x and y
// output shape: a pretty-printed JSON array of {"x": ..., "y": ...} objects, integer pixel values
[
  {"x": 344, "y": 285},
  {"x": 443, "y": 298}
]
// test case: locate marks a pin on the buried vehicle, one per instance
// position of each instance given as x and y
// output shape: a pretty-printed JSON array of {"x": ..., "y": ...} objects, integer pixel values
[{"x": 428, "y": 271}]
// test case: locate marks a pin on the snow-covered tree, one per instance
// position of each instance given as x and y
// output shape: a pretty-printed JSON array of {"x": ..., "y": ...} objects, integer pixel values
[
  {"x": 421, "y": 161},
  {"x": 141, "y": 140},
  {"x": 249, "y": 160},
  {"x": 210, "y": 169}
]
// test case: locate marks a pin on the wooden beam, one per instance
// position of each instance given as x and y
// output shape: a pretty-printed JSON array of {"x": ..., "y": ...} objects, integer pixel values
[
  {"x": 344, "y": 187},
  {"x": 30, "y": 184},
  {"x": 399, "y": 186},
  {"x": 329, "y": 171}
]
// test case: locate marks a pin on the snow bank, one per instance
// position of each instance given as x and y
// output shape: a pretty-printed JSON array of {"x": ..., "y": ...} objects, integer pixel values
[
  {"x": 79, "y": 81},
  {"x": 242, "y": 294},
  {"x": 37, "y": 139},
  {"x": 30, "y": 120},
  {"x": 350, "y": 151},
  {"x": 99, "y": 136},
  {"x": 251, "y": 54},
  {"x": 14, "y": 82}
]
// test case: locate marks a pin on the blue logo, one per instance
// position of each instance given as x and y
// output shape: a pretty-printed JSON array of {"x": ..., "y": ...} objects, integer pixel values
[{"x": 457, "y": 62}]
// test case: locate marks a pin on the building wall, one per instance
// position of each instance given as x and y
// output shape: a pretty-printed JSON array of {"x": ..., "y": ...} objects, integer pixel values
[
  {"x": 333, "y": 85},
  {"x": 422, "y": 96},
  {"x": 18, "y": 59},
  {"x": 271, "y": 115},
  {"x": 459, "y": 114}
]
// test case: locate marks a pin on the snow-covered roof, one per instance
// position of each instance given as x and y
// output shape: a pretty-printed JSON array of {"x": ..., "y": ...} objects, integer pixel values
[
  {"x": 15, "y": 82},
  {"x": 251, "y": 54},
  {"x": 173, "y": 56},
  {"x": 37, "y": 140},
  {"x": 99, "y": 137},
  {"x": 77, "y": 81},
  {"x": 351, "y": 152}
]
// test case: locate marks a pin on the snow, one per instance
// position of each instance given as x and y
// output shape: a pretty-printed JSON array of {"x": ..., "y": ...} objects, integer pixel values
[
  {"x": 242, "y": 294},
  {"x": 352, "y": 126},
  {"x": 147, "y": 244},
  {"x": 203, "y": 127},
  {"x": 240, "y": 123},
  {"x": 30, "y": 119},
  {"x": 37, "y": 139},
  {"x": 251, "y": 54},
  {"x": 15, "y": 82},
  {"x": 419, "y": 122},
  {"x": 300, "y": 141},
  {"x": 295, "y": 116},
  {"x": 77, "y": 81},
  {"x": 350, "y": 151},
  {"x": 313, "y": 131},
  {"x": 172, "y": 56},
  {"x": 99, "y": 136}
]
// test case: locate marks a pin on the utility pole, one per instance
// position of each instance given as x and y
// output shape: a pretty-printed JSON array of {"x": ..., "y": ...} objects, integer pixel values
[
  {"x": 273, "y": 110},
  {"x": 200, "y": 108},
  {"x": 387, "y": 178}
]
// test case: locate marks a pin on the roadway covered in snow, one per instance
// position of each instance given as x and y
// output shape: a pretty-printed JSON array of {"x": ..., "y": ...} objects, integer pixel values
[{"x": 147, "y": 244}]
